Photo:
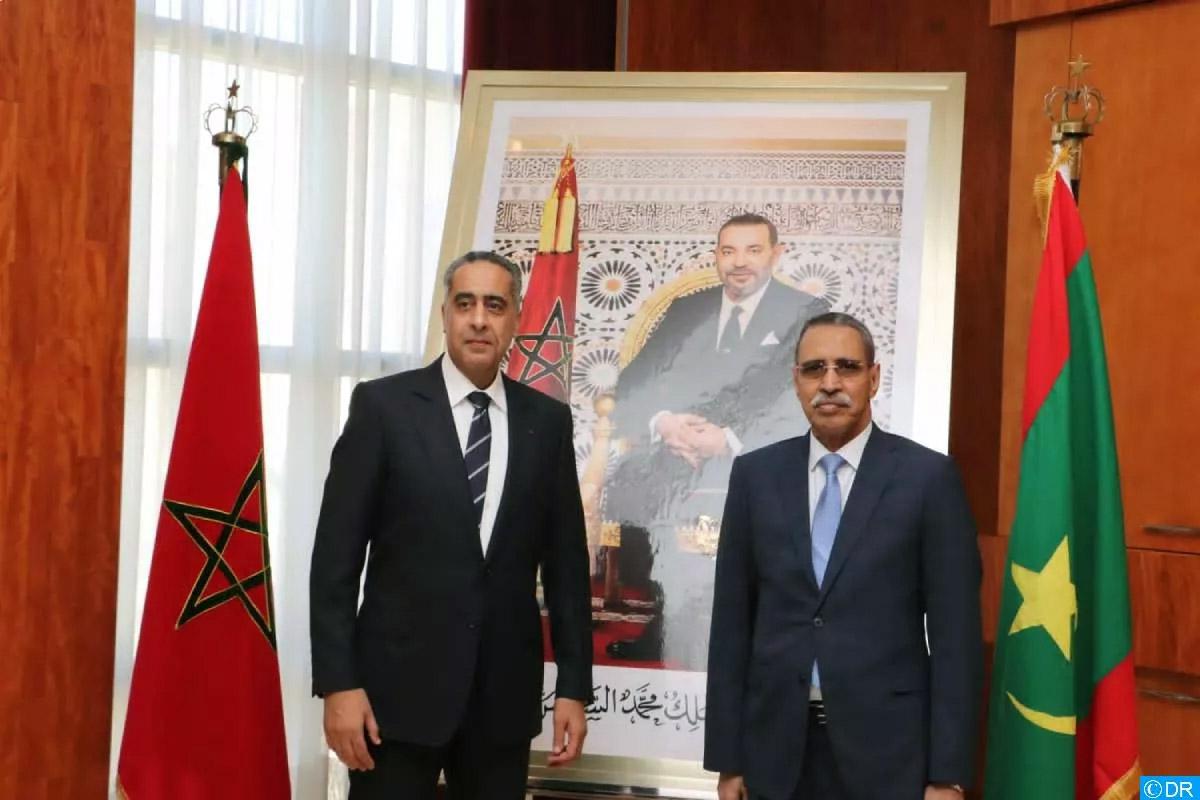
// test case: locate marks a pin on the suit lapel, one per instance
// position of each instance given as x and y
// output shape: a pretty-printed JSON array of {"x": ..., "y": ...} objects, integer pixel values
[
  {"x": 874, "y": 472},
  {"x": 520, "y": 434},
  {"x": 699, "y": 342},
  {"x": 764, "y": 319},
  {"x": 435, "y": 424},
  {"x": 793, "y": 488}
]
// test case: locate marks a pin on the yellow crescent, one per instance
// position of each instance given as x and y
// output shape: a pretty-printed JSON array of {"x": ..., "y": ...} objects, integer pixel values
[{"x": 1049, "y": 722}]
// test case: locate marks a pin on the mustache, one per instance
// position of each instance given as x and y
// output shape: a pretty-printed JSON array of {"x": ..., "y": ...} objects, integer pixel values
[{"x": 837, "y": 398}]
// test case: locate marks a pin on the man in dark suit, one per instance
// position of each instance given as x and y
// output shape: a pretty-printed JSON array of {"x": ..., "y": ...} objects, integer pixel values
[
  {"x": 453, "y": 484},
  {"x": 711, "y": 380},
  {"x": 845, "y": 659}
]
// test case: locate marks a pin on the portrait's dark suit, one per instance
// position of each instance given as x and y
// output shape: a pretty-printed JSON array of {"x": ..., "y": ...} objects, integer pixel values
[
  {"x": 905, "y": 556},
  {"x": 680, "y": 369},
  {"x": 442, "y": 624},
  {"x": 652, "y": 491}
]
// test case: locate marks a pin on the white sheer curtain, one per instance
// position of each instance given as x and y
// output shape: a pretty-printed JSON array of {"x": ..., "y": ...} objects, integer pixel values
[{"x": 349, "y": 173}]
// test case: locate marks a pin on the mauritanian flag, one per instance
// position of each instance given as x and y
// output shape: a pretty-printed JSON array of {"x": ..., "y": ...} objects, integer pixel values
[
  {"x": 1062, "y": 722},
  {"x": 205, "y": 715},
  {"x": 541, "y": 354}
]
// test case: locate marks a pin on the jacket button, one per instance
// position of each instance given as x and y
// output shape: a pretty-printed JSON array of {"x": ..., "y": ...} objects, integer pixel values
[
  {"x": 818, "y": 622},
  {"x": 472, "y": 625}
]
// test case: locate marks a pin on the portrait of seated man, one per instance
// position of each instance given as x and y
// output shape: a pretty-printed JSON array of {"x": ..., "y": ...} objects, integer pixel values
[{"x": 709, "y": 382}]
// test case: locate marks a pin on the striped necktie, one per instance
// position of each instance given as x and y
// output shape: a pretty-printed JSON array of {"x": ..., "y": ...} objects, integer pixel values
[{"x": 479, "y": 449}]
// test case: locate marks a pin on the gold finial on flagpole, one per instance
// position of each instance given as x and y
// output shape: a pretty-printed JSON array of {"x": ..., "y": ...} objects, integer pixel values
[
  {"x": 231, "y": 144},
  {"x": 1074, "y": 110}
]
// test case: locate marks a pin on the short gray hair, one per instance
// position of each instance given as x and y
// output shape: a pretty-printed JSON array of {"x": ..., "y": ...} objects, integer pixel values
[
  {"x": 491, "y": 257},
  {"x": 845, "y": 321}
]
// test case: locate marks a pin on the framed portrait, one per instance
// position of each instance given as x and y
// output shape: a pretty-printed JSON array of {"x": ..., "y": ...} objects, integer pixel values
[{"x": 675, "y": 231}]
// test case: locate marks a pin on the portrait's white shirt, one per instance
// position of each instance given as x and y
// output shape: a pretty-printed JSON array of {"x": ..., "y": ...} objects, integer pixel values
[{"x": 749, "y": 306}]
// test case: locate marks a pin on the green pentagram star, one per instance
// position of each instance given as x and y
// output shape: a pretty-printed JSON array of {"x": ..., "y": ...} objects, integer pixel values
[
  {"x": 202, "y": 599},
  {"x": 538, "y": 366}
]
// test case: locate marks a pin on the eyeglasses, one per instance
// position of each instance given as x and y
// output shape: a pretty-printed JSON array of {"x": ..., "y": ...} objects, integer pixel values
[{"x": 844, "y": 367}]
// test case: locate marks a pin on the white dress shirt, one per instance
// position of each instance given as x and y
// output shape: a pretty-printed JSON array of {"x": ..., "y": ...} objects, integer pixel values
[
  {"x": 852, "y": 452},
  {"x": 458, "y": 386}
]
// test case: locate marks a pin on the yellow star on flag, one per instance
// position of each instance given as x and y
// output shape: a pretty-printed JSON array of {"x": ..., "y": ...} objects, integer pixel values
[{"x": 1047, "y": 598}]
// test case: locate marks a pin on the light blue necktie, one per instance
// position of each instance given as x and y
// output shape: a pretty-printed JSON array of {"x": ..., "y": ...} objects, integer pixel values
[{"x": 825, "y": 524}]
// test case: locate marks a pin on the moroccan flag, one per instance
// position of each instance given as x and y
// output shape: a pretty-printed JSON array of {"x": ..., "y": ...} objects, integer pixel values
[
  {"x": 1062, "y": 721},
  {"x": 205, "y": 715},
  {"x": 541, "y": 356}
]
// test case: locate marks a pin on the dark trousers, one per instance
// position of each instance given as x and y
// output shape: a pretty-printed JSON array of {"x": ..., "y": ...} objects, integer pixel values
[
  {"x": 476, "y": 766},
  {"x": 819, "y": 779},
  {"x": 476, "y": 769}
]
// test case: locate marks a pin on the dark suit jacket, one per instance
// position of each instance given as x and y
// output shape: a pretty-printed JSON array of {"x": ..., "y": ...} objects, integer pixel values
[
  {"x": 905, "y": 554},
  {"x": 748, "y": 390},
  {"x": 439, "y": 619}
]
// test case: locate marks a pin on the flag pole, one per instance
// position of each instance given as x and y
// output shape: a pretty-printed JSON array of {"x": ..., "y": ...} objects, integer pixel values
[
  {"x": 230, "y": 144},
  {"x": 1074, "y": 110}
]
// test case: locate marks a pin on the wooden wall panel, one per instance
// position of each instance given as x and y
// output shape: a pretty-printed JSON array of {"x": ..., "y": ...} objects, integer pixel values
[
  {"x": 994, "y": 551},
  {"x": 861, "y": 35},
  {"x": 1166, "y": 646},
  {"x": 1166, "y": 610},
  {"x": 534, "y": 34},
  {"x": 1141, "y": 217},
  {"x": 1168, "y": 718},
  {"x": 11, "y": 624},
  {"x": 66, "y": 77},
  {"x": 1005, "y": 12},
  {"x": 711, "y": 35},
  {"x": 8, "y": 54}
]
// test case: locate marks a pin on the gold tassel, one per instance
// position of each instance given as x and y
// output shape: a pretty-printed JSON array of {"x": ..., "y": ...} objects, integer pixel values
[
  {"x": 1043, "y": 185},
  {"x": 549, "y": 218},
  {"x": 1125, "y": 787},
  {"x": 566, "y": 224}
]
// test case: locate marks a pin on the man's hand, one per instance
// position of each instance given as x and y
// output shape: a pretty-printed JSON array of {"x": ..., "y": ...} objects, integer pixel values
[
  {"x": 708, "y": 440},
  {"x": 731, "y": 787},
  {"x": 941, "y": 791},
  {"x": 677, "y": 434},
  {"x": 570, "y": 729},
  {"x": 347, "y": 714}
]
